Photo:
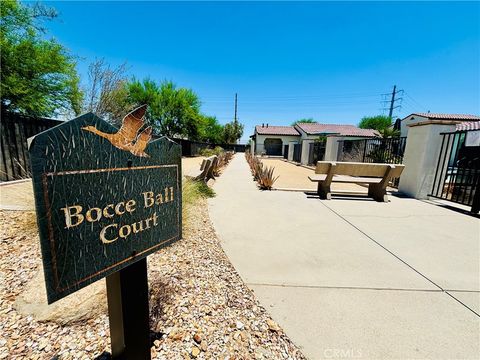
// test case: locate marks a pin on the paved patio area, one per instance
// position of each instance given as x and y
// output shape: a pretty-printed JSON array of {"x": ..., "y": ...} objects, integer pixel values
[{"x": 353, "y": 278}]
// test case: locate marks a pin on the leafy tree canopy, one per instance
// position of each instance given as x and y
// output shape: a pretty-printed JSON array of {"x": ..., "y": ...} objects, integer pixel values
[
  {"x": 210, "y": 130},
  {"x": 232, "y": 132},
  {"x": 38, "y": 76},
  {"x": 378, "y": 122},
  {"x": 305, "y": 121},
  {"x": 173, "y": 112}
]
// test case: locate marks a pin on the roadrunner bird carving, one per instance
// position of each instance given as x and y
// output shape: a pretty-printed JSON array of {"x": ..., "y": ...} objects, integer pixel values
[{"x": 127, "y": 137}]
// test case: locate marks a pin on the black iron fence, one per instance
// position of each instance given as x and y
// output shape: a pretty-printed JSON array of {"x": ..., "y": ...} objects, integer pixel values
[
  {"x": 297, "y": 152},
  {"x": 376, "y": 150},
  {"x": 457, "y": 177},
  {"x": 194, "y": 148},
  {"x": 285, "y": 152},
  {"x": 316, "y": 152}
]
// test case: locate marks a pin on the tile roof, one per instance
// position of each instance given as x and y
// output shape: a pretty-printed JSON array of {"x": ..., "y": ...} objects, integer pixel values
[
  {"x": 436, "y": 116},
  {"x": 344, "y": 130},
  {"x": 468, "y": 125},
  {"x": 276, "y": 130}
]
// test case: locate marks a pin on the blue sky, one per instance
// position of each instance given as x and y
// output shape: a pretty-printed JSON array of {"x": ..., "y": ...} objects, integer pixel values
[{"x": 326, "y": 60}]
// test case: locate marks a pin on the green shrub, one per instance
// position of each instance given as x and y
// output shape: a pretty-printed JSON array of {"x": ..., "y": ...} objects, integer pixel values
[{"x": 210, "y": 152}]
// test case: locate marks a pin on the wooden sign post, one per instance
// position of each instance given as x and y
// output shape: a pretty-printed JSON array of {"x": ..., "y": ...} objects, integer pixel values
[{"x": 105, "y": 199}]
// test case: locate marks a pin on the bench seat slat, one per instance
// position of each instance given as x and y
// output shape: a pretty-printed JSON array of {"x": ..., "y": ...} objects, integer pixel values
[{"x": 346, "y": 179}]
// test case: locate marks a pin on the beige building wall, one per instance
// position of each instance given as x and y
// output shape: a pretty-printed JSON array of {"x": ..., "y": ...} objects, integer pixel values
[
  {"x": 421, "y": 157},
  {"x": 286, "y": 140}
]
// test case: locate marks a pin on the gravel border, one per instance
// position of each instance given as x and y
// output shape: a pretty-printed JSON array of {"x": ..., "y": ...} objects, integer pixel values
[{"x": 200, "y": 307}]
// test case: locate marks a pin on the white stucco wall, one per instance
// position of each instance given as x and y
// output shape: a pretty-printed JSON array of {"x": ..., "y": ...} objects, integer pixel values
[
  {"x": 286, "y": 140},
  {"x": 408, "y": 121},
  {"x": 421, "y": 158},
  {"x": 290, "y": 150},
  {"x": 306, "y": 150},
  {"x": 331, "y": 148}
]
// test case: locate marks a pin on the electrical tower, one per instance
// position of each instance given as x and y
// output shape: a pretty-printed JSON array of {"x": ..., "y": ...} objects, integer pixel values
[
  {"x": 235, "y": 116},
  {"x": 395, "y": 101}
]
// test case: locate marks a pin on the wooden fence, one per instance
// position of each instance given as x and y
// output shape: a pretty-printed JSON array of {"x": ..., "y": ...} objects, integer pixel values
[{"x": 14, "y": 131}]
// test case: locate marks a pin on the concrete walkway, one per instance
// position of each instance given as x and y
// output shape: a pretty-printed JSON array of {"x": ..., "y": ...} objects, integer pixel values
[{"x": 355, "y": 278}]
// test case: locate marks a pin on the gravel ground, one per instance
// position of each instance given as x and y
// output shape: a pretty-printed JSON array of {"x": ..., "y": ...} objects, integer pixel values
[{"x": 200, "y": 308}]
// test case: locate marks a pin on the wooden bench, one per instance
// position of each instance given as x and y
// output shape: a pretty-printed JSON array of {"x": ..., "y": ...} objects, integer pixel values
[
  {"x": 207, "y": 168},
  {"x": 376, "y": 176}
]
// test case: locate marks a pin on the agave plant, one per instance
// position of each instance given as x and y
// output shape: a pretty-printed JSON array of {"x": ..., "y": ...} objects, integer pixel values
[
  {"x": 266, "y": 179},
  {"x": 257, "y": 169}
]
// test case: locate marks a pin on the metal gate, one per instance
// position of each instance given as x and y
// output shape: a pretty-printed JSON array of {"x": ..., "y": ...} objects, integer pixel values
[
  {"x": 297, "y": 153},
  {"x": 273, "y": 147},
  {"x": 285, "y": 152},
  {"x": 457, "y": 177},
  {"x": 317, "y": 152}
]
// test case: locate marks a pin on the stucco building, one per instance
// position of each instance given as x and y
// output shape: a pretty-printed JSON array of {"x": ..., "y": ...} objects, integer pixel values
[
  {"x": 284, "y": 140},
  {"x": 422, "y": 117}
]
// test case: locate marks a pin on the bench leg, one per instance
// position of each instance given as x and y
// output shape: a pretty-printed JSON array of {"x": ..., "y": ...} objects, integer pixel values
[
  {"x": 324, "y": 191},
  {"x": 378, "y": 192}
]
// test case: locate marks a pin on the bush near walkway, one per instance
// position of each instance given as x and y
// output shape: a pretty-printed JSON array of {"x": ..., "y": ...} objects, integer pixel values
[{"x": 262, "y": 174}]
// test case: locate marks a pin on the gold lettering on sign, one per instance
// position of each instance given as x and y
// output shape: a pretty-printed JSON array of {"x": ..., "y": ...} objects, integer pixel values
[
  {"x": 104, "y": 230},
  {"x": 68, "y": 216},
  {"x": 112, "y": 232},
  {"x": 117, "y": 208},
  {"x": 148, "y": 198},
  {"x": 125, "y": 230},
  {"x": 130, "y": 206},
  {"x": 98, "y": 215},
  {"x": 106, "y": 213}
]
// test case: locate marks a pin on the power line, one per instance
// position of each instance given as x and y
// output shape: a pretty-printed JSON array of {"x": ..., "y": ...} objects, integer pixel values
[{"x": 416, "y": 102}]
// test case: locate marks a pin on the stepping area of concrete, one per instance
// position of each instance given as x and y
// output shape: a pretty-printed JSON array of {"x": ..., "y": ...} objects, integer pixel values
[{"x": 351, "y": 277}]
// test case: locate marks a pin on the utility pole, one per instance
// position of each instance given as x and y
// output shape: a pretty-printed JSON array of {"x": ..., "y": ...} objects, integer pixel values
[
  {"x": 392, "y": 101},
  {"x": 395, "y": 101},
  {"x": 235, "y": 118}
]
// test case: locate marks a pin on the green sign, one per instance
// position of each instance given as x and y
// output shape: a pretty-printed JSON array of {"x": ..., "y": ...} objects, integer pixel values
[{"x": 105, "y": 198}]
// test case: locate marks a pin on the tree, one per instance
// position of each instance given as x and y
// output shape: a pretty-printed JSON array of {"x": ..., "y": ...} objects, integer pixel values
[
  {"x": 378, "y": 122},
  {"x": 38, "y": 76},
  {"x": 172, "y": 111},
  {"x": 210, "y": 130},
  {"x": 389, "y": 132},
  {"x": 232, "y": 131},
  {"x": 305, "y": 121},
  {"x": 106, "y": 94}
]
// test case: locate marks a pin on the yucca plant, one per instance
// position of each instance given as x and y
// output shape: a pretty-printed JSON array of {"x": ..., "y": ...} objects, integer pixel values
[{"x": 266, "y": 179}]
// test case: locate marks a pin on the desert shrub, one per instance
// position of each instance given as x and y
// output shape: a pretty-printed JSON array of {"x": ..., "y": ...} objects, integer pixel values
[
  {"x": 262, "y": 174},
  {"x": 217, "y": 150},
  {"x": 266, "y": 179},
  {"x": 222, "y": 160}
]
